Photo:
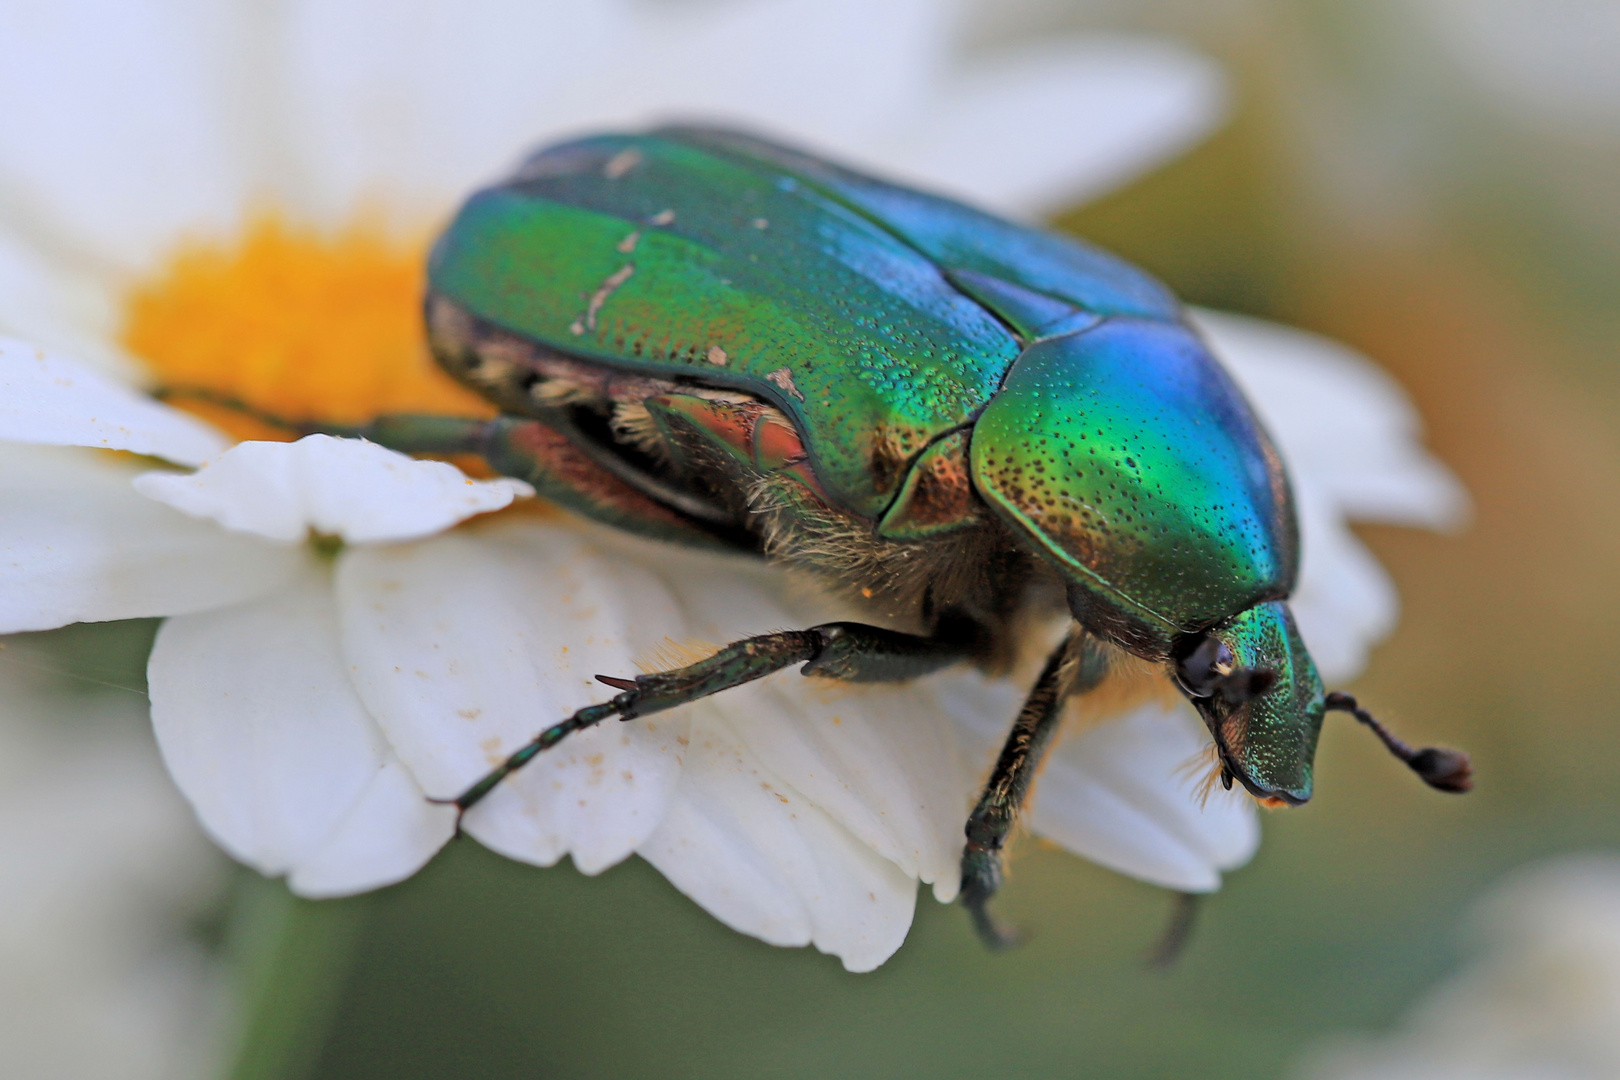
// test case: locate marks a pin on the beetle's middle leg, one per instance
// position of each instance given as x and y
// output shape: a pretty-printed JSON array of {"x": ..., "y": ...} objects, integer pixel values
[
  {"x": 1077, "y": 665},
  {"x": 849, "y": 651}
]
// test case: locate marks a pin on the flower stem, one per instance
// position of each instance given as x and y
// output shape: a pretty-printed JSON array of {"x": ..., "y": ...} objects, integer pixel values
[{"x": 292, "y": 958}]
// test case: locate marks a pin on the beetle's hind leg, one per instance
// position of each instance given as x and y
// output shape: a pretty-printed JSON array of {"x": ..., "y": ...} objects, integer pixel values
[
  {"x": 1075, "y": 666},
  {"x": 852, "y": 652}
]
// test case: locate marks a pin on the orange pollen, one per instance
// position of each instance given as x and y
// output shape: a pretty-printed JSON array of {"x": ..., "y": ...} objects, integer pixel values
[{"x": 293, "y": 324}]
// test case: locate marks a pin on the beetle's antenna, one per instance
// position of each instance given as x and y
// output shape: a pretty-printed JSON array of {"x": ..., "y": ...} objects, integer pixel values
[{"x": 1443, "y": 770}]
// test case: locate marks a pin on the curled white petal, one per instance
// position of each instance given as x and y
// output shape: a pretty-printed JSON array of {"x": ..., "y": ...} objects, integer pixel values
[
  {"x": 261, "y": 729},
  {"x": 761, "y": 858},
  {"x": 79, "y": 544},
  {"x": 347, "y": 488},
  {"x": 51, "y": 400}
]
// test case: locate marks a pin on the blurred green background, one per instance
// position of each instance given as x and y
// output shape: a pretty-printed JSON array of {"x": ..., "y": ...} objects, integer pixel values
[{"x": 1365, "y": 189}]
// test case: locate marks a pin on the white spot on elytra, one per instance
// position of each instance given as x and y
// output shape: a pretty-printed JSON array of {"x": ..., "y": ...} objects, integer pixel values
[
  {"x": 717, "y": 356},
  {"x": 783, "y": 378},
  {"x": 621, "y": 163},
  {"x": 603, "y": 291},
  {"x": 663, "y": 217},
  {"x": 628, "y": 244}
]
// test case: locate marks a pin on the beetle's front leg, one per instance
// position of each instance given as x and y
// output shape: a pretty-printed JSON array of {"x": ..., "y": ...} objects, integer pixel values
[
  {"x": 853, "y": 652},
  {"x": 1076, "y": 665}
]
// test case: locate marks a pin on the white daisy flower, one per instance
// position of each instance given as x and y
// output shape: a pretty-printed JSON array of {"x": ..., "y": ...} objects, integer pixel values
[
  {"x": 1541, "y": 997},
  {"x": 346, "y": 631}
]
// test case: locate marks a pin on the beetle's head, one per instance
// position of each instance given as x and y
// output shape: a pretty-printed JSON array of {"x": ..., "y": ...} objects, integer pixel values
[
  {"x": 1257, "y": 689},
  {"x": 1254, "y": 684}
]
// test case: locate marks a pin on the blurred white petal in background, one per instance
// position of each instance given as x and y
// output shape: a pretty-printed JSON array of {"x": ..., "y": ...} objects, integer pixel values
[
  {"x": 102, "y": 874},
  {"x": 1539, "y": 1000}
]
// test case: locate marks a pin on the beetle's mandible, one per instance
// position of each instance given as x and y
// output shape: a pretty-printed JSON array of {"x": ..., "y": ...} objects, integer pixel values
[{"x": 703, "y": 337}]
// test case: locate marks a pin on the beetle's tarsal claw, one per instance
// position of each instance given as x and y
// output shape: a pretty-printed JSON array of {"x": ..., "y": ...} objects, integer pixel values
[
  {"x": 617, "y": 684},
  {"x": 1443, "y": 770},
  {"x": 981, "y": 879},
  {"x": 995, "y": 934}
]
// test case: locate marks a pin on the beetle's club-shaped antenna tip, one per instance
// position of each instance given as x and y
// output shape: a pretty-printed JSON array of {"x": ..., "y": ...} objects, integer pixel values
[{"x": 1443, "y": 770}]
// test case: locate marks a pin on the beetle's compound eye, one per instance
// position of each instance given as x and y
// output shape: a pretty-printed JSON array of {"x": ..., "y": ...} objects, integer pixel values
[
  {"x": 1209, "y": 668},
  {"x": 1201, "y": 668}
]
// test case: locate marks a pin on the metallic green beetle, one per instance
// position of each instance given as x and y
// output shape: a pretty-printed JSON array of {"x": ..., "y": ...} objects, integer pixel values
[{"x": 706, "y": 338}]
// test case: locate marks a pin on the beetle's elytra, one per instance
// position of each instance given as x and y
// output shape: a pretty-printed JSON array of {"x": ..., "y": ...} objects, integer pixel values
[{"x": 710, "y": 339}]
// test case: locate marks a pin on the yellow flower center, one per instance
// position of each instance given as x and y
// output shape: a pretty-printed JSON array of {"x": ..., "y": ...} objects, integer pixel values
[{"x": 295, "y": 325}]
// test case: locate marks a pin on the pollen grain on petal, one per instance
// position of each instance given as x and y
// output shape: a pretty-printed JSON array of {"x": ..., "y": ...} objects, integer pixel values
[{"x": 294, "y": 324}]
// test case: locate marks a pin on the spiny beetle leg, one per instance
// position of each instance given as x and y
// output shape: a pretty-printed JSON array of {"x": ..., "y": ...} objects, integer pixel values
[
  {"x": 589, "y": 716},
  {"x": 1074, "y": 666},
  {"x": 843, "y": 650}
]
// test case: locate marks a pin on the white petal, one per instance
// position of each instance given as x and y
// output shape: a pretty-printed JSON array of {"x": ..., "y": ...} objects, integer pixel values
[
  {"x": 47, "y": 399},
  {"x": 890, "y": 769},
  {"x": 261, "y": 729},
  {"x": 882, "y": 761},
  {"x": 1343, "y": 426},
  {"x": 466, "y": 646},
  {"x": 389, "y": 834},
  {"x": 1345, "y": 601},
  {"x": 63, "y": 310},
  {"x": 79, "y": 544},
  {"x": 361, "y": 108},
  {"x": 750, "y": 849},
  {"x": 1043, "y": 127},
  {"x": 120, "y": 126},
  {"x": 791, "y": 67},
  {"x": 782, "y": 65},
  {"x": 338, "y": 487},
  {"x": 1353, "y": 447},
  {"x": 1123, "y": 794}
]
